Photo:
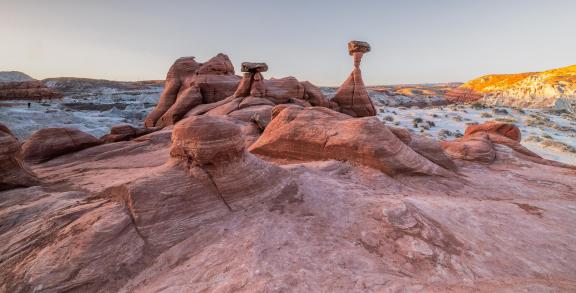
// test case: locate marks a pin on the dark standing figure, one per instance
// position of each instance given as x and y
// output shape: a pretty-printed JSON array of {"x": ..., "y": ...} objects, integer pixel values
[{"x": 28, "y": 104}]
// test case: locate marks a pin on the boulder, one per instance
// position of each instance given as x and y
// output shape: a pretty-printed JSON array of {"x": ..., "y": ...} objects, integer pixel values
[
  {"x": 478, "y": 141},
  {"x": 254, "y": 67},
  {"x": 314, "y": 96},
  {"x": 352, "y": 96},
  {"x": 427, "y": 147},
  {"x": 508, "y": 130},
  {"x": 358, "y": 47},
  {"x": 48, "y": 143},
  {"x": 313, "y": 134},
  {"x": 476, "y": 147},
  {"x": 12, "y": 172}
]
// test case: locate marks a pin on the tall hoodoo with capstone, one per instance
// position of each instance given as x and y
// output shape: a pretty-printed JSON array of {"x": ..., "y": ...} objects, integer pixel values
[{"x": 352, "y": 96}]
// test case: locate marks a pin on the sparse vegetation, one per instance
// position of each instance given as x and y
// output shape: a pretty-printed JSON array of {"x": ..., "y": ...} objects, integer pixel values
[
  {"x": 506, "y": 120},
  {"x": 498, "y": 111}
]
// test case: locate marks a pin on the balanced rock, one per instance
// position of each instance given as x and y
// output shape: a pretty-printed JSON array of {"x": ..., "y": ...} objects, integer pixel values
[
  {"x": 312, "y": 134},
  {"x": 352, "y": 96},
  {"x": 12, "y": 172},
  {"x": 358, "y": 47},
  {"x": 48, "y": 143},
  {"x": 254, "y": 67}
]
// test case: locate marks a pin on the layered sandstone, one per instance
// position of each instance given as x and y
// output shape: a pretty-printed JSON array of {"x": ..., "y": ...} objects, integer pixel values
[
  {"x": 551, "y": 88},
  {"x": 188, "y": 84},
  {"x": 352, "y": 96},
  {"x": 48, "y": 143},
  {"x": 12, "y": 172},
  {"x": 125, "y": 132},
  {"x": 479, "y": 144},
  {"x": 265, "y": 191},
  {"x": 26, "y": 90},
  {"x": 310, "y": 134}
]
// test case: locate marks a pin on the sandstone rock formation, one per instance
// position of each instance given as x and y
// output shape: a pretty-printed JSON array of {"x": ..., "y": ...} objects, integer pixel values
[
  {"x": 125, "y": 132},
  {"x": 188, "y": 84},
  {"x": 26, "y": 90},
  {"x": 189, "y": 209},
  {"x": 268, "y": 189},
  {"x": 12, "y": 172},
  {"x": 479, "y": 144},
  {"x": 310, "y": 134},
  {"x": 49, "y": 143},
  {"x": 352, "y": 97},
  {"x": 524, "y": 90}
]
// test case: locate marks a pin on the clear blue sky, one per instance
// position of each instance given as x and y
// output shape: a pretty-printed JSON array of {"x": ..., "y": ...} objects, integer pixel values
[{"x": 412, "y": 41}]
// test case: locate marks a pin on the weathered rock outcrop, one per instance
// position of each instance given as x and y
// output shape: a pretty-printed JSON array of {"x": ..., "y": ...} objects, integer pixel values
[
  {"x": 125, "y": 132},
  {"x": 48, "y": 143},
  {"x": 352, "y": 97},
  {"x": 188, "y": 209},
  {"x": 188, "y": 84},
  {"x": 195, "y": 89},
  {"x": 309, "y": 134},
  {"x": 12, "y": 172},
  {"x": 478, "y": 144},
  {"x": 551, "y": 88},
  {"x": 26, "y": 90}
]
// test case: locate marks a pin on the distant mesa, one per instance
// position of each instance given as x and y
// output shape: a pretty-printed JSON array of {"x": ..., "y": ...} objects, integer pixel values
[
  {"x": 14, "y": 76},
  {"x": 16, "y": 85},
  {"x": 551, "y": 88}
]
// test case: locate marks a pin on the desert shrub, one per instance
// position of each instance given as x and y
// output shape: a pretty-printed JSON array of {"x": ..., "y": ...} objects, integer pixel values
[
  {"x": 445, "y": 132},
  {"x": 506, "y": 120},
  {"x": 389, "y": 118},
  {"x": 498, "y": 111},
  {"x": 457, "y": 118},
  {"x": 486, "y": 115},
  {"x": 478, "y": 106}
]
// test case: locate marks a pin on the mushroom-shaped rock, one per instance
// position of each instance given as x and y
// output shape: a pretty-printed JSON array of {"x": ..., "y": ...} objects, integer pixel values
[
  {"x": 48, "y": 143},
  {"x": 12, "y": 172},
  {"x": 358, "y": 47},
  {"x": 254, "y": 67},
  {"x": 317, "y": 133},
  {"x": 352, "y": 96}
]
